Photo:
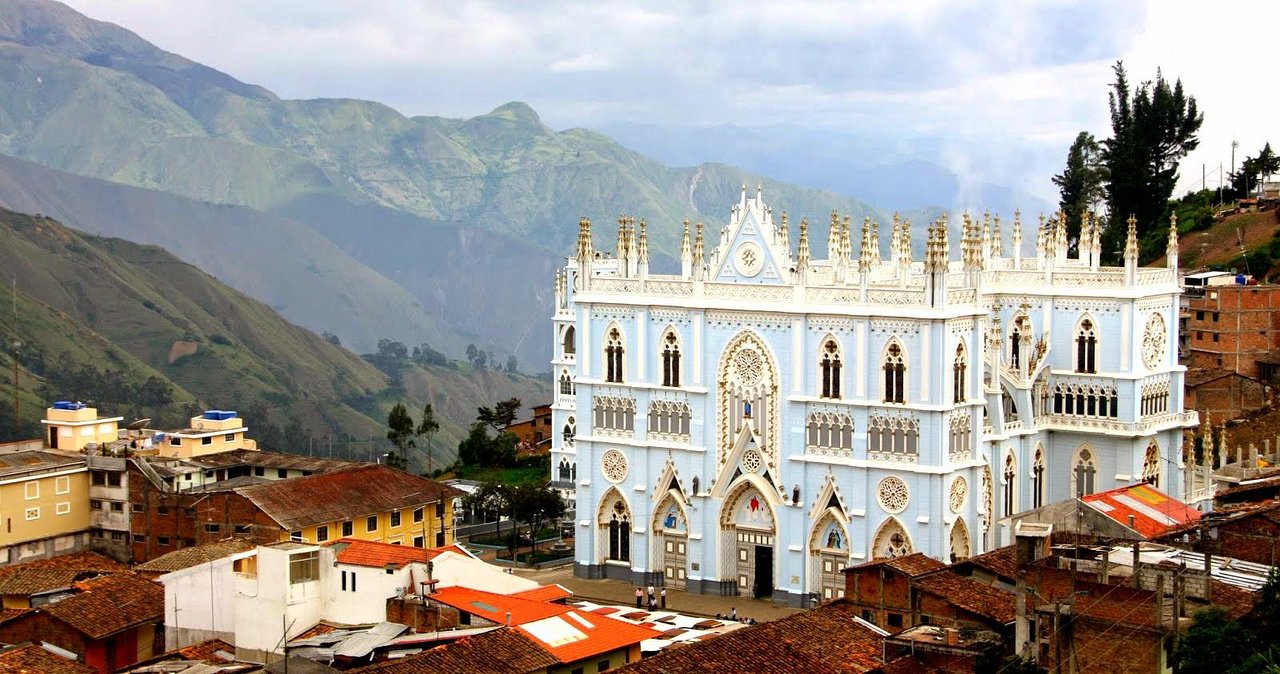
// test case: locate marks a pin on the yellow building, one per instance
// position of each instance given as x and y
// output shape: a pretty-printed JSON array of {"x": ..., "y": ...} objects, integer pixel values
[
  {"x": 212, "y": 432},
  {"x": 366, "y": 502},
  {"x": 71, "y": 426},
  {"x": 44, "y": 505}
]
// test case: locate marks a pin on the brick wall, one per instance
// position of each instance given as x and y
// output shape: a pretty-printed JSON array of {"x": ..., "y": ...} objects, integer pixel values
[
  {"x": 1228, "y": 397},
  {"x": 878, "y": 591},
  {"x": 411, "y": 612},
  {"x": 1231, "y": 325},
  {"x": 1253, "y": 539},
  {"x": 1102, "y": 646}
]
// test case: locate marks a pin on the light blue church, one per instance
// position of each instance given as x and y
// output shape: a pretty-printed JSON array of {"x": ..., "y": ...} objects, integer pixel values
[{"x": 764, "y": 419}]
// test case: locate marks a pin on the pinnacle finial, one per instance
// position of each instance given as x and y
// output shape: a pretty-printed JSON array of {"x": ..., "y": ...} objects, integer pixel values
[{"x": 1131, "y": 241}]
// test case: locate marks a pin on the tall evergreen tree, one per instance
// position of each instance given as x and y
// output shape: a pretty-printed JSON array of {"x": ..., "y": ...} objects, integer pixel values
[
  {"x": 401, "y": 434},
  {"x": 427, "y": 428},
  {"x": 1081, "y": 183},
  {"x": 1153, "y": 127}
]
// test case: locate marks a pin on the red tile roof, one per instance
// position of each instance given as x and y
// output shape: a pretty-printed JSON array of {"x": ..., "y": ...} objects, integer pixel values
[
  {"x": 495, "y": 607},
  {"x": 348, "y": 493},
  {"x": 1153, "y": 512},
  {"x": 1001, "y": 561},
  {"x": 970, "y": 595},
  {"x": 79, "y": 561},
  {"x": 824, "y": 639},
  {"x": 545, "y": 593},
  {"x": 33, "y": 659},
  {"x": 911, "y": 565},
  {"x": 110, "y": 604},
  {"x": 189, "y": 557},
  {"x": 501, "y": 651},
  {"x": 356, "y": 552}
]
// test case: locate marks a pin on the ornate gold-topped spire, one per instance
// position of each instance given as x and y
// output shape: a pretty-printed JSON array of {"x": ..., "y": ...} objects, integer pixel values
[
  {"x": 833, "y": 238},
  {"x": 1131, "y": 241},
  {"x": 685, "y": 249},
  {"x": 1171, "y": 246},
  {"x": 904, "y": 245},
  {"x": 699, "y": 257},
  {"x": 642, "y": 252},
  {"x": 875, "y": 242},
  {"x": 802, "y": 253},
  {"x": 584, "y": 252},
  {"x": 895, "y": 239},
  {"x": 986, "y": 232},
  {"x": 784, "y": 234},
  {"x": 864, "y": 255},
  {"x": 846, "y": 240},
  {"x": 1017, "y": 233},
  {"x": 997, "y": 238}
]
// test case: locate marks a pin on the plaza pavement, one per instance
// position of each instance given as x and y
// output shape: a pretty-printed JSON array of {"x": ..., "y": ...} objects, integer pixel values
[{"x": 617, "y": 592}]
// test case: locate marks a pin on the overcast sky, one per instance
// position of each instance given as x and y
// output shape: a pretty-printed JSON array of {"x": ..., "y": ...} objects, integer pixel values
[{"x": 1016, "y": 77}]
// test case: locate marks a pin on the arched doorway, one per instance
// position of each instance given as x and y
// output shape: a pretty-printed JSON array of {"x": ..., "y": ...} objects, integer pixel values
[
  {"x": 748, "y": 535},
  {"x": 960, "y": 548},
  {"x": 671, "y": 531},
  {"x": 613, "y": 526},
  {"x": 828, "y": 556}
]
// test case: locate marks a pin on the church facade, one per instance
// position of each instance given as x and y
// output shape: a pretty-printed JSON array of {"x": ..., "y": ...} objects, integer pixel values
[{"x": 765, "y": 419}]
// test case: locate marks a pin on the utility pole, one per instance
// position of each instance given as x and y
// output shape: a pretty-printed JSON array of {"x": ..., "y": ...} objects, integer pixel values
[
  {"x": 17, "y": 344},
  {"x": 1235, "y": 144}
]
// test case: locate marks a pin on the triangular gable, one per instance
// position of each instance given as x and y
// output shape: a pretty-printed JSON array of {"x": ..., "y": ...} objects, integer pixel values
[
  {"x": 731, "y": 471},
  {"x": 829, "y": 497},
  {"x": 746, "y": 253},
  {"x": 669, "y": 480}
]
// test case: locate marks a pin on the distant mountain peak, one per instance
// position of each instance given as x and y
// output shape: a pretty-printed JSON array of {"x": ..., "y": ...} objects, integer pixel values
[{"x": 517, "y": 111}]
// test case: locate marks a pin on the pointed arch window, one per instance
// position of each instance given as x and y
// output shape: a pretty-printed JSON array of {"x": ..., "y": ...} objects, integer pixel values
[
  {"x": 620, "y": 534},
  {"x": 671, "y": 360},
  {"x": 830, "y": 366},
  {"x": 894, "y": 374},
  {"x": 569, "y": 432},
  {"x": 570, "y": 347},
  {"x": 1151, "y": 465},
  {"x": 613, "y": 356},
  {"x": 958, "y": 375},
  {"x": 1084, "y": 473},
  {"x": 566, "y": 383},
  {"x": 1087, "y": 347},
  {"x": 1037, "y": 479},
  {"x": 1010, "y": 485},
  {"x": 1015, "y": 343}
]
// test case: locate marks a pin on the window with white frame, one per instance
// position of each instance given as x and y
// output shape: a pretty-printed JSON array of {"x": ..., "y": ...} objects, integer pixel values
[
  {"x": 830, "y": 368},
  {"x": 669, "y": 419},
  {"x": 304, "y": 567},
  {"x": 893, "y": 436},
  {"x": 1084, "y": 472},
  {"x": 613, "y": 415},
  {"x": 613, "y": 356},
  {"x": 895, "y": 370},
  {"x": 829, "y": 432},
  {"x": 671, "y": 359},
  {"x": 1037, "y": 478},
  {"x": 959, "y": 372},
  {"x": 1087, "y": 347}
]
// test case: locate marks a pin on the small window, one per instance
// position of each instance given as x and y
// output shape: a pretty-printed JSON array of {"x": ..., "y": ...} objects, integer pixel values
[
  {"x": 395, "y": 518},
  {"x": 439, "y": 509},
  {"x": 64, "y": 508},
  {"x": 113, "y": 479},
  {"x": 212, "y": 528},
  {"x": 295, "y": 536},
  {"x": 119, "y": 536},
  {"x": 139, "y": 538},
  {"x": 1215, "y": 317},
  {"x": 259, "y": 471},
  {"x": 1200, "y": 315},
  {"x": 175, "y": 441},
  {"x": 162, "y": 510},
  {"x": 162, "y": 540},
  {"x": 229, "y": 437},
  {"x": 353, "y": 581},
  {"x": 417, "y": 514},
  {"x": 32, "y": 490},
  {"x": 282, "y": 473},
  {"x": 602, "y": 666},
  {"x": 895, "y": 620},
  {"x": 188, "y": 542},
  {"x": 1215, "y": 336},
  {"x": 344, "y": 581},
  {"x": 95, "y": 504},
  {"x": 371, "y": 524},
  {"x": 117, "y": 507},
  {"x": 63, "y": 484},
  {"x": 304, "y": 567},
  {"x": 206, "y": 440},
  {"x": 242, "y": 529},
  {"x": 98, "y": 477},
  {"x": 418, "y": 542},
  {"x": 137, "y": 507},
  {"x": 869, "y": 616},
  {"x": 322, "y": 534}
]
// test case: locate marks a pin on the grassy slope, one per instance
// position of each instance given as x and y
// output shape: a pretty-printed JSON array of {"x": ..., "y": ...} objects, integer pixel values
[
  {"x": 1220, "y": 244},
  {"x": 107, "y": 301}
]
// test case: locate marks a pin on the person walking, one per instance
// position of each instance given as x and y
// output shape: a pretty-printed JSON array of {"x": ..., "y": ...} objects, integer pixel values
[
  {"x": 664, "y": 598},
  {"x": 639, "y": 594},
  {"x": 733, "y": 615}
]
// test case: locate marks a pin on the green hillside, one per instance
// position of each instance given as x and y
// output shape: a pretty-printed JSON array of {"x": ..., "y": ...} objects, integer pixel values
[
  {"x": 97, "y": 318},
  {"x": 92, "y": 98}
]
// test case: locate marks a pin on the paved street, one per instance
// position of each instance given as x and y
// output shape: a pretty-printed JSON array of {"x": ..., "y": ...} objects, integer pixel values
[{"x": 618, "y": 592}]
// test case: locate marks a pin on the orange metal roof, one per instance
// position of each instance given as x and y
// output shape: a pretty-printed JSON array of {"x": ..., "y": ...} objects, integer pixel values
[
  {"x": 589, "y": 634},
  {"x": 496, "y": 607},
  {"x": 380, "y": 555},
  {"x": 544, "y": 593},
  {"x": 1152, "y": 511}
]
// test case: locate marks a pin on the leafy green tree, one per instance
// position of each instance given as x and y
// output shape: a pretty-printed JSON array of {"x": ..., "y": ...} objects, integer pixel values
[
  {"x": 1153, "y": 127},
  {"x": 1081, "y": 183},
  {"x": 427, "y": 428},
  {"x": 1264, "y": 619},
  {"x": 401, "y": 434},
  {"x": 475, "y": 448},
  {"x": 535, "y": 505},
  {"x": 501, "y": 415},
  {"x": 498, "y": 499},
  {"x": 1213, "y": 643}
]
